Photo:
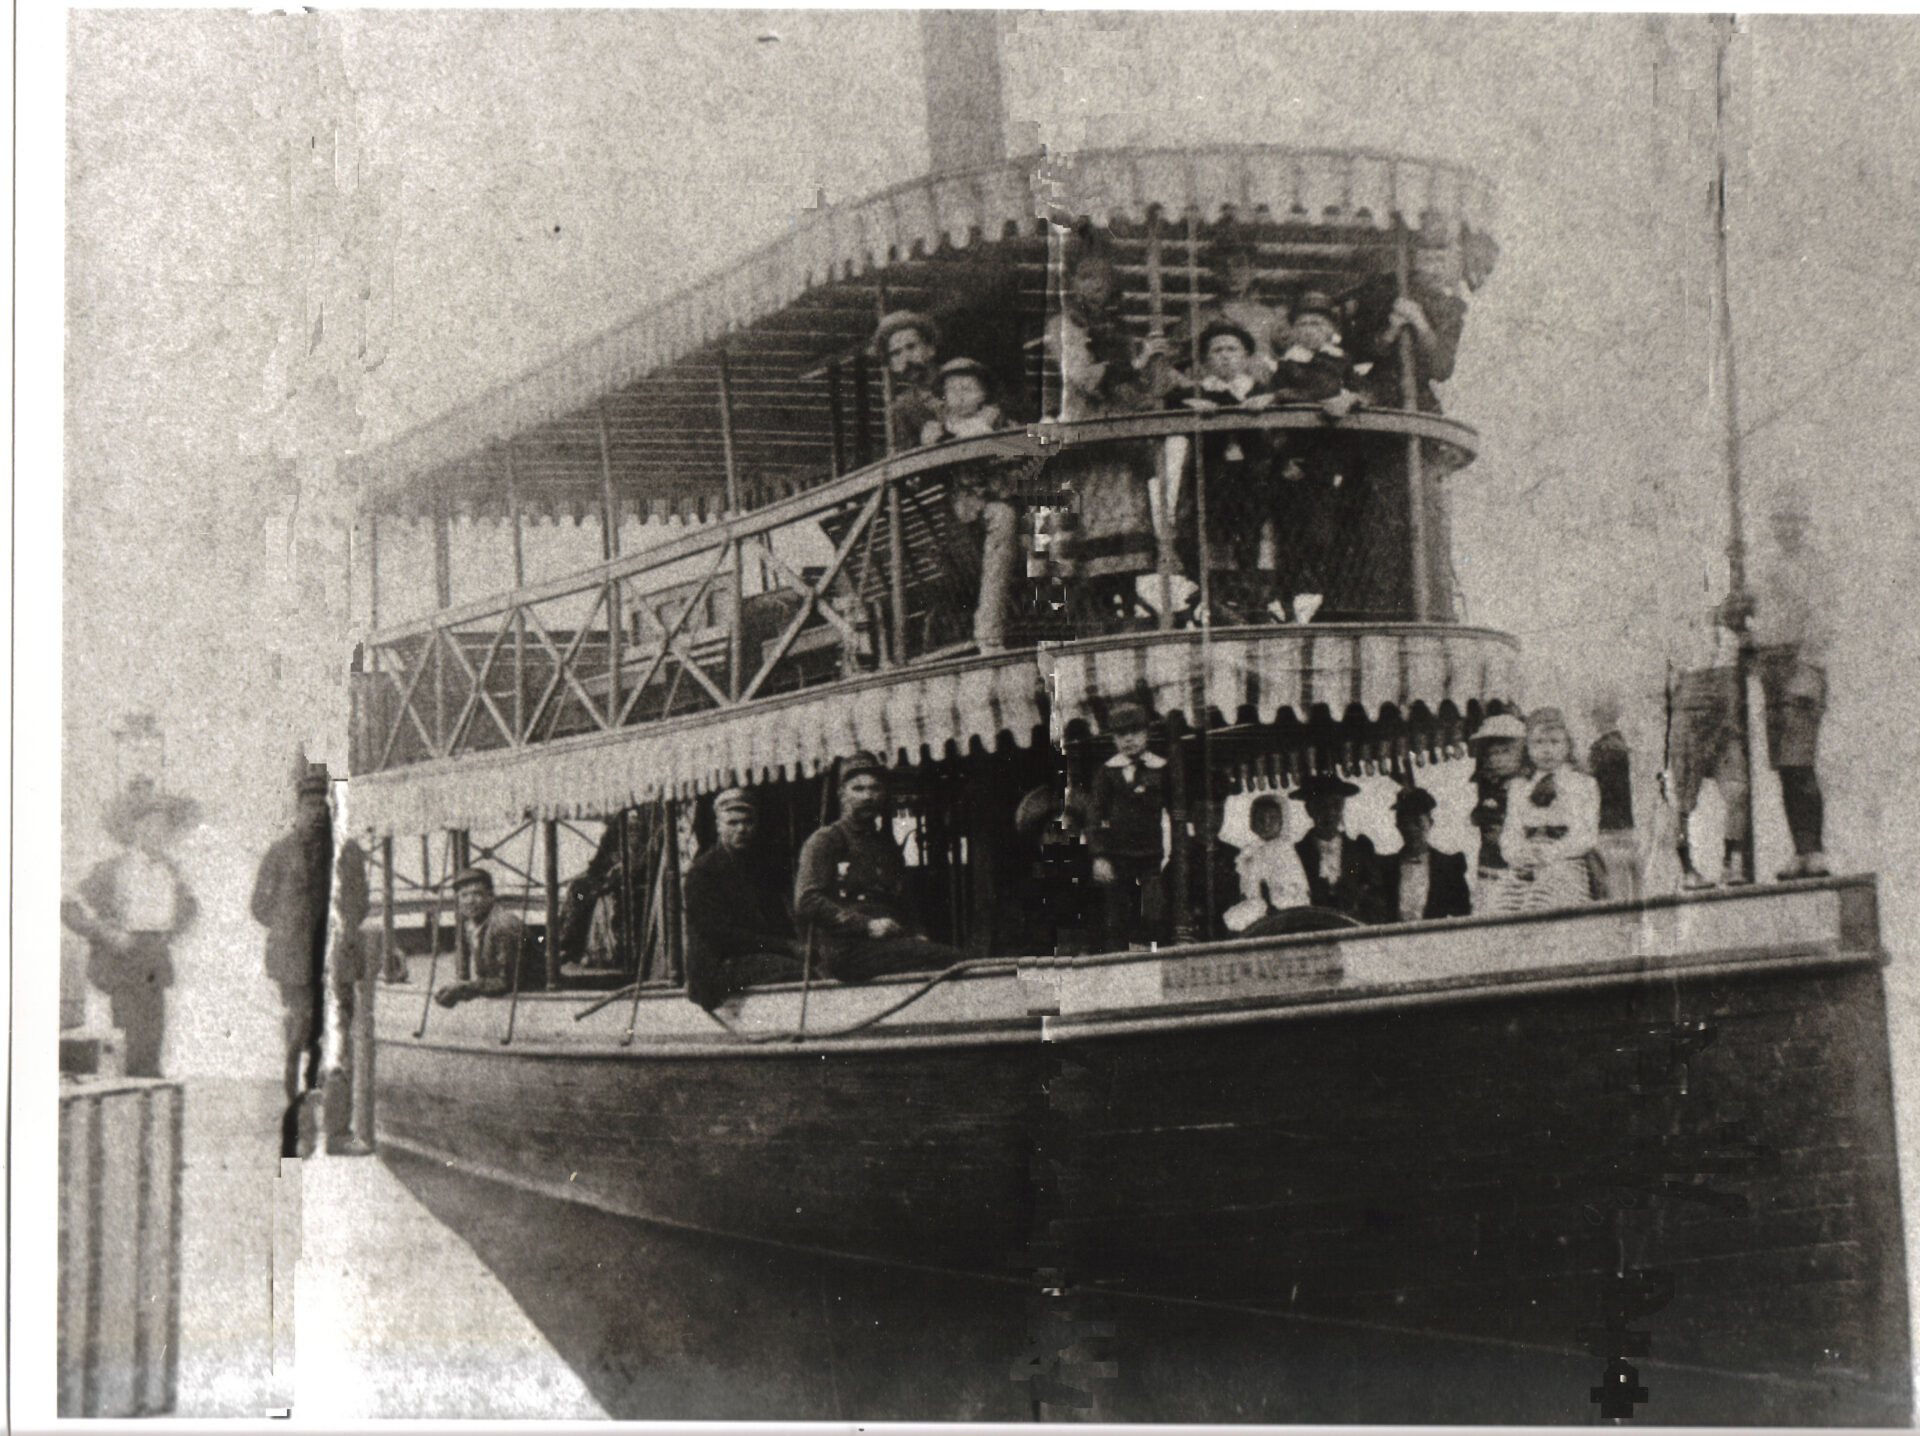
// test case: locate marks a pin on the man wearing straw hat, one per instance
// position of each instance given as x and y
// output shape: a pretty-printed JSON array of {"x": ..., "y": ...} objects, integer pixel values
[
  {"x": 851, "y": 888},
  {"x": 495, "y": 939},
  {"x": 130, "y": 909},
  {"x": 738, "y": 930}
]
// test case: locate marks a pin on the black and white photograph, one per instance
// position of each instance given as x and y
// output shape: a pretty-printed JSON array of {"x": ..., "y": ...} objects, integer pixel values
[{"x": 966, "y": 716}]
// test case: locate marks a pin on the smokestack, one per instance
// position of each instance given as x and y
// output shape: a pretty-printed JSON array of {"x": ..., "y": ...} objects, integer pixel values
[{"x": 961, "y": 49}]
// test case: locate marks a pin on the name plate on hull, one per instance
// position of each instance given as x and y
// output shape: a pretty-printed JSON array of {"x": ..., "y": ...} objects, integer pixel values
[{"x": 1232, "y": 974}]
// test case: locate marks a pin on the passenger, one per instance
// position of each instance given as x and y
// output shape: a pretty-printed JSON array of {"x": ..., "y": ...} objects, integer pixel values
[
  {"x": 1499, "y": 750},
  {"x": 496, "y": 942},
  {"x": 1212, "y": 872},
  {"x": 1272, "y": 881},
  {"x": 1610, "y": 763},
  {"x": 908, "y": 342},
  {"x": 851, "y": 888},
  {"x": 1420, "y": 881},
  {"x": 970, "y": 408},
  {"x": 1431, "y": 313},
  {"x": 1314, "y": 368},
  {"x": 1239, "y": 464},
  {"x": 1785, "y": 620},
  {"x": 1235, "y": 271},
  {"x": 1342, "y": 870},
  {"x": 1703, "y": 743},
  {"x": 1556, "y": 810},
  {"x": 1109, "y": 540},
  {"x": 739, "y": 933},
  {"x": 1126, "y": 816}
]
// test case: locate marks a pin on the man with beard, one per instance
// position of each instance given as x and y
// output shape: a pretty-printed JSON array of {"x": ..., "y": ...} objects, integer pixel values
[
  {"x": 852, "y": 887},
  {"x": 908, "y": 343},
  {"x": 290, "y": 897}
]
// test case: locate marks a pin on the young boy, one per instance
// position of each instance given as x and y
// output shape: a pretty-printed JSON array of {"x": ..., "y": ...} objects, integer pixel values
[
  {"x": 968, "y": 410},
  {"x": 1125, "y": 831}
]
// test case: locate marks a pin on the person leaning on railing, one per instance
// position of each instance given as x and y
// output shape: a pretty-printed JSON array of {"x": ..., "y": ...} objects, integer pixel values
[
  {"x": 739, "y": 933},
  {"x": 970, "y": 408},
  {"x": 851, "y": 888},
  {"x": 496, "y": 940}
]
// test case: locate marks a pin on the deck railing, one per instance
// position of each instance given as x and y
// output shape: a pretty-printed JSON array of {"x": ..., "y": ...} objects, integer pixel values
[{"x": 727, "y": 615}]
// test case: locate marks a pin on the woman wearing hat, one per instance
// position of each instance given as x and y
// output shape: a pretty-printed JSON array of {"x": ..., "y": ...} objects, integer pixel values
[{"x": 1556, "y": 810}]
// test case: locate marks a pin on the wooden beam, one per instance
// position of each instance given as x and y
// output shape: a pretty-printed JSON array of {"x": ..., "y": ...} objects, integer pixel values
[
  {"x": 609, "y": 505},
  {"x": 552, "y": 836},
  {"x": 513, "y": 515}
]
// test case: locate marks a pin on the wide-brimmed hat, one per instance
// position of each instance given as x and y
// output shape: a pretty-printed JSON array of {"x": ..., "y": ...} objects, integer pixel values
[
  {"x": 1323, "y": 785},
  {"x": 472, "y": 877},
  {"x": 1500, "y": 725},
  {"x": 734, "y": 800},
  {"x": 1126, "y": 716},
  {"x": 855, "y": 764},
  {"x": 139, "y": 799},
  {"x": 1225, "y": 326},
  {"x": 1413, "y": 800},
  {"x": 900, "y": 319}
]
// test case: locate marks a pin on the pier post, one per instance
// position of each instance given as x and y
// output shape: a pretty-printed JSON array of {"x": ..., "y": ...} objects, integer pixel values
[
  {"x": 552, "y": 836},
  {"x": 462, "y": 857}
]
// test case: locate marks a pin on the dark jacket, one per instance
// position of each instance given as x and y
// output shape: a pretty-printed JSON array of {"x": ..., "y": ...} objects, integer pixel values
[
  {"x": 1447, "y": 891},
  {"x": 290, "y": 895},
  {"x": 850, "y": 872},
  {"x": 1301, "y": 378},
  {"x": 1432, "y": 363},
  {"x": 100, "y": 911},
  {"x": 1356, "y": 893},
  {"x": 498, "y": 947},
  {"x": 1123, "y": 813},
  {"x": 736, "y": 905}
]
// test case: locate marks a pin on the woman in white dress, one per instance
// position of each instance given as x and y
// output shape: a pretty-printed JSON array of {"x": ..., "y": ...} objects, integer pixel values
[
  {"x": 1553, "y": 813},
  {"x": 1271, "y": 878}
]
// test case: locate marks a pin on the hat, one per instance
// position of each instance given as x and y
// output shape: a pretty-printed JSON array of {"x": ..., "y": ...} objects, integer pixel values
[
  {"x": 140, "y": 798},
  {"x": 1323, "y": 785},
  {"x": 854, "y": 764},
  {"x": 737, "y": 800},
  {"x": 1413, "y": 800},
  {"x": 468, "y": 877},
  {"x": 1501, "y": 725},
  {"x": 1126, "y": 716},
  {"x": 900, "y": 319},
  {"x": 1224, "y": 326},
  {"x": 1313, "y": 301},
  {"x": 314, "y": 781},
  {"x": 966, "y": 366}
]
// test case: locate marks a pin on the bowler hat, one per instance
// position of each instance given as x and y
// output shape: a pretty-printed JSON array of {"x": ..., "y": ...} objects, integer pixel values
[
  {"x": 1323, "y": 785},
  {"x": 1126, "y": 716},
  {"x": 1501, "y": 725},
  {"x": 469, "y": 877},
  {"x": 855, "y": 764},
  {"x": 1313, "y": 301},
  {"x": 1413, "y": 800},
  {"x": 734, "y": 800},
  {"x": 1224, "y": 326},
  {"x": 900, "y": 319}
]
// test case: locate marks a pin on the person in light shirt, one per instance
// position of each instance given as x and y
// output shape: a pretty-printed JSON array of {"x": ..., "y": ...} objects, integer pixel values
[
  {"x": 1556, "y": 811},
  {"x": 130, "y": 909},
  {"x": 1420, "y": 881},
  {"x": 1271, "y": 878}
]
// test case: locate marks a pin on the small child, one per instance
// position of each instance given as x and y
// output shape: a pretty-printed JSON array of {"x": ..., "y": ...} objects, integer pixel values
[
  {"x": 979, "y": 496},
  {"x": 968, "y": 410},
  {"x": 1271, "y": 879}
]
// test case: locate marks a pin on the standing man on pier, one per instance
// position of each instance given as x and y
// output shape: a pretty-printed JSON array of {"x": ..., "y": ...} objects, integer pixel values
[
  {"x": 290, "y": 897},
  {"x": 1784, "y": 620}
]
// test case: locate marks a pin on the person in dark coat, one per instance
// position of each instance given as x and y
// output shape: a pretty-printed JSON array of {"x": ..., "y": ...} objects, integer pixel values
[
  {"x": 738, "y": 930},
  {"x": 130, "y": 909},
  {"x": 1419, "y": 881},
  {"x": 1125, "y": 816},
  {"x": 290, "y": 898},
  {"x": 1342, "y": 870},
  {"x": 851, "y": 888},
  {"x": 496, "y": 941}
]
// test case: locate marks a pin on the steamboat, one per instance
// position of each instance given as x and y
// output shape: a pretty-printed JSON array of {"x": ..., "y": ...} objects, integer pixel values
[{"x": 1481, "y": 1127}]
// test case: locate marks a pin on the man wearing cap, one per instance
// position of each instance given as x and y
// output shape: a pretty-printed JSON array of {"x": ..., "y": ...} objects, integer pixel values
[
  {"x": 496, "y": 941},
  {"x": 290, "y": 898},
  {"x": 130, "y": 908},
  {"x": 1419, "y": 881},
  {"x": 738, "y": 930},
  {"x": 1342, "y": 870},
  {"x": 851, "y": 888},
  {"x": 1499, "y": 753},
  {"x": 907, "y": 342},
  {"x": 1785, "y": 620},
  {"x": 1126, "y": 819}
]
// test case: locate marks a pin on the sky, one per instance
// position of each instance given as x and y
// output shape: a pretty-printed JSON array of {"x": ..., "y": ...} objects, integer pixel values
[{"x": 290, "y": 236}]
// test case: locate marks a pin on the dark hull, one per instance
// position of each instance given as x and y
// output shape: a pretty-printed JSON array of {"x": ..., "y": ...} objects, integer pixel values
[{"x": 1428, "y": 1163}]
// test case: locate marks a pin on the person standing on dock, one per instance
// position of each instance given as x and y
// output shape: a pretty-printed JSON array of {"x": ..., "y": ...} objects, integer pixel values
[
  {"x": 495, "y": 938},
  {"x": 851, "y": 889},
  {"x": 130, "y": 909},
  {"x": 290, "y": 899},
  {"x": 1342, "y": 869},
  {"x": 1784, "y": 620},
  {"x": 738, "y": 930},
  {"x": 1126, "y": 832}
]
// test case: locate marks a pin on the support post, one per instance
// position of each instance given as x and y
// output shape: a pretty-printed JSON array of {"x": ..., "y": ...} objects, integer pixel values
[
  {"x": 552, "y": 836},
  {"x": 373, "y": 572},
  {"x": 670, "y": 934},
  {"x": 1204, "y": 548},
  {"x": 896, "y": 541},
  {"x": 513, "y": 516},
  {"x": 1179, "y": 869},
  {"x": 433, "y": 902},
  {"x": 1157, "y": 329},
  {"x": 609, "y": 507},
  {"x": 462, "y": 851},
  {"x": 360, "y": 1117},
  {"x": 862, "y": 400},
  {"x": 389, "y": 954},
  {"x": 733, "y": 512},
  {"x": 442, "y": 553},
  {"x": 837, "y": 417},
  {"x": 1416, "y": 463}
]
